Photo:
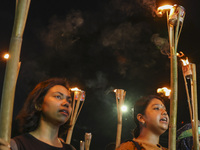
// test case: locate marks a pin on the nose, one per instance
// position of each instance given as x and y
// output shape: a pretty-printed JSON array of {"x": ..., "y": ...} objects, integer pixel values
[
  {"x": 164, "y": 112},
  {"x": 65, "y": 103}
]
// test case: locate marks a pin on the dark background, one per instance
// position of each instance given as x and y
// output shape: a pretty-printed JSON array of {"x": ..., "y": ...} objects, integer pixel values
[{"x": 99, "y": 46}]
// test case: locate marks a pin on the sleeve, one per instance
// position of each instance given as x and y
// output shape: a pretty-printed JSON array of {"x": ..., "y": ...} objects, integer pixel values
[{"x": 13, "y": 145}]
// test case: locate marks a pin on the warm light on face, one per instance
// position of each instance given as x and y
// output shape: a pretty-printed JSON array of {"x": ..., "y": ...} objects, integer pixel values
[
  {"x": 124, "y": 108},
  {"x": 185, "y": 62},
  {"x": 6, "y": 56},
  {"x": 164, "y": 90}
]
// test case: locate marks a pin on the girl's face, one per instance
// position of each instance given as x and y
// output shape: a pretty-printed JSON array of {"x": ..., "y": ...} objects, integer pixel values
[
  {"x": 156, "y": 117},
  {"x": 56, "y": 107}
]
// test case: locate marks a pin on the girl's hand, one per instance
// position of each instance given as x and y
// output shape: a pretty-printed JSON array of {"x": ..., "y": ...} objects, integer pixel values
[{"x": 4, "y": 145}]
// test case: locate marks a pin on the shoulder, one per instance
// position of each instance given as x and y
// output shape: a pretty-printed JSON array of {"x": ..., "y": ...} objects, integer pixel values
[
  {"x": 129, "y": 145},
  {"x": 68, "y": 146}
]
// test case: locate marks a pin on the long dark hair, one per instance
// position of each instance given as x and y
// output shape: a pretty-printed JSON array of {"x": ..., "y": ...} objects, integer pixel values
[
  {"x": 29, "y": 116},
  {"x": 139, "y": 108}
]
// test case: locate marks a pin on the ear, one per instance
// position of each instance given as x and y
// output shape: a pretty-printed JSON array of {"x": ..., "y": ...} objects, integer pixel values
[
  {"x": 140, "y": 118},
  {"x": 38, "y": 107}
]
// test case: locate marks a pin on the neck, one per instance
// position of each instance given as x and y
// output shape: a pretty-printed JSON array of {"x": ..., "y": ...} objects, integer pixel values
[
  {"x": 48, "y": 133},
  {"x": 148, "y": 137}
]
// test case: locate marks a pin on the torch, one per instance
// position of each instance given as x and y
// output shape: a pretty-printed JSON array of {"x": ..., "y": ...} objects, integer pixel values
[
  {"x": 164, "y": 91},
  {"x": 120, "y": 97},
  {"x": 88, "y": 137},
  {"x": 79, "y": 96},
  {"x": 189, "y": 74},
  {"x": 175, "y": 18},
  {"x": 12, "y": 69}
]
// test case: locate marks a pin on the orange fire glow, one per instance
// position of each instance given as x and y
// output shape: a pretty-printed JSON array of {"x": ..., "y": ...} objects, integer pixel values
[
  {"x": 75, "y": 89},
  {"x": 164, "y": 90},
  {"x": 6, "y": 56},
  {"x": 185, "y": 62},
  {"x": 162, "y": 9}
]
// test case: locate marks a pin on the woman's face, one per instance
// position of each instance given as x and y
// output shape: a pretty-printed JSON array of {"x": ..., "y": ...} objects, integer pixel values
[
  {"x": 56, "y": 107},
  {"x": 156, "y": 117}
]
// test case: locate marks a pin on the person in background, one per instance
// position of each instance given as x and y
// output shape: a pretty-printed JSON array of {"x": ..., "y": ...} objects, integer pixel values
[
  {"x": 43, "y": 118},
  {"x": 184, "y": 137},
  {"x": 151, "y": 120}
]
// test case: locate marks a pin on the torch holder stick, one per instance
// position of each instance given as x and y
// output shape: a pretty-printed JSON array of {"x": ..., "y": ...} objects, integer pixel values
[
  {"x": 120, "y": 97},
  {"x": 12, "y": 69},
  {"x": 82, "y": 143},
  {"x": 189, "y": 72},
  {"x": 88, "y": 137},
  {"x": 74, "y": 114},
  {"x": 173, "y": 40}
]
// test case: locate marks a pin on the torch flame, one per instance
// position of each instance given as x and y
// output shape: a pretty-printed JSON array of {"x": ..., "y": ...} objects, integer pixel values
[
  {"x": 185, "y": 62},
  {"x": 115, "y": 90},
  {"x": 6, "y": 56},
  {"x": 75, "y": 89},
  {"x": 164, "y": 90},
  {"x": 162, "y": 9}
]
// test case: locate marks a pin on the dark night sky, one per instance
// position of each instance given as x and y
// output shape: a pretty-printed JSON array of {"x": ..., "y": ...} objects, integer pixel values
[{"x": 99, "y": 46}]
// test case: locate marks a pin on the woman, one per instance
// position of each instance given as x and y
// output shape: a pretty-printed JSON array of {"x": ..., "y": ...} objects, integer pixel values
[
  {"x": 152, "y": 120},
  {"x": 44, "y": 116},
  {"x": 185, "y": 138}
]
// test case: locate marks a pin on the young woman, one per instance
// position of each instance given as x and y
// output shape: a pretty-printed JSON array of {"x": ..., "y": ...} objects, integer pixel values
[
  {"x": 152, "y": 120},
  {"x": 44, "y": 116}
]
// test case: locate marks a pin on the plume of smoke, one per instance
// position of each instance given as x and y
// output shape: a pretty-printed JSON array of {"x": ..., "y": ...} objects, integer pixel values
[
  {"x": 62, "y": 33},
  {"x": 150, "y": 5},
  {"x": 161, "y": 43}
]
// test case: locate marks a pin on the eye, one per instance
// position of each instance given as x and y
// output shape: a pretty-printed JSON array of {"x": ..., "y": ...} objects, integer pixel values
[
  {"x": 58, "y": 97},
  {"x": 156, "y": 108},
  {"x": 69, "y": 100}
]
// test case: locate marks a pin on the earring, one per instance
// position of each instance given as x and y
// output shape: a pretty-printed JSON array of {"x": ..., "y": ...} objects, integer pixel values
[
  {"x": 38, "y": 108},
  {"x": 143, "y": 124}
]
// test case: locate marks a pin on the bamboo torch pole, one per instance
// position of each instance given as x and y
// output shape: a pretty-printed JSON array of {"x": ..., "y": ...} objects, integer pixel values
[
  {"x": 120, "y": 97},
  {"x": 189, "y": 72},
  {"x": 195, "y": 108},
  {"x": 79, "y": 96},
  {"x": 12, "y": 69}
]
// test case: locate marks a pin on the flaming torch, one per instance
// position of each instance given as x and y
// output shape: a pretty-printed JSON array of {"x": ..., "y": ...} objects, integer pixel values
[
  {"x": 164, "y": 91},
  {"x": 120, "y": 97},
  {"x": 79, "y": 96},
  {"x": 189, "y": 73},
  {"x": 175, "y": 17}
]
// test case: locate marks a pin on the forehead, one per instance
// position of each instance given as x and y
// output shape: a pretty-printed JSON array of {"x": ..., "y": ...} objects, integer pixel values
[
  {"x": 156, "y": 101},
  {"x": 59, "y": 88}
]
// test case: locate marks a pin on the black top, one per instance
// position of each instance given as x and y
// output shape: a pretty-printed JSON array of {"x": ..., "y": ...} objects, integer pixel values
[{"x": 29, "y": 142}]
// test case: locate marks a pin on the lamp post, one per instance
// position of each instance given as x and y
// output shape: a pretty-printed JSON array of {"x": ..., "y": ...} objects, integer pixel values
[
  {"x": 79, "y": 96},
  {"x": 120, "y": 97},
  {"x": 175, "y": 18}
]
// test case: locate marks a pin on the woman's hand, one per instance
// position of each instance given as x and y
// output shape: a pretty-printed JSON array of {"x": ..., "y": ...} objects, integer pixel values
[{"x": 4, "y": 145}]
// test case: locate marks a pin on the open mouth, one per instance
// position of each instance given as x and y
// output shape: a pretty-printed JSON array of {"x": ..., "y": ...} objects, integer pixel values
[{"x": 165, "y": 120}]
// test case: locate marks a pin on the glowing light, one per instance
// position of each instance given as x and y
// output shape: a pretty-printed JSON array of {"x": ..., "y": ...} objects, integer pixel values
[
  {"x": 124, "y": 108},
  {"x": 164, "y": 91},
  {"x": 75, "y": 89},
  {"x": 185, "y": 62},
  {"x": 6, "y": 56},
  {"x": 162, "y": 9},
  {"x": 165, "y": 7}
]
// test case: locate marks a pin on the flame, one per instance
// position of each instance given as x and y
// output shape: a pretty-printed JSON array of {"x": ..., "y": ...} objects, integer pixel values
[
  {"x": 115, "y": 90},
  {"x": 75, "y": 89},
  {"x": 185, "y": 62},
  {"x": 164, "y": 90},
  {"x": 165, "y": 7},
  {"x": 6, "y": 56},
  {"x": 161, "y": 9}
]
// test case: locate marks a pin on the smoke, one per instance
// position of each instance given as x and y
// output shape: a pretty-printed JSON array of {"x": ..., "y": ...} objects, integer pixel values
[
  {"x": 161, "y": 43},
  {"x": 61, "y": 34}
]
